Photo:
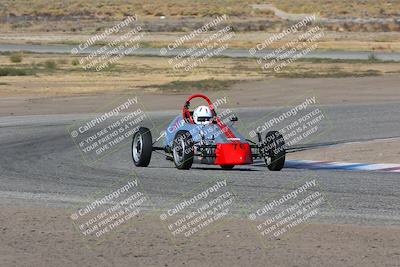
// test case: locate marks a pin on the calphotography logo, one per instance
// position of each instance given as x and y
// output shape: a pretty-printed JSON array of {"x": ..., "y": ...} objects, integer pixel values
[
  {"x": 199, "y": 210},
  {"x": 285, "y": 213},
  {"x": 109, "y": 210},
  {"x": 210, "y": 44},
  {"x": 120, "y": 40},
  {"x": 110, "y": 130},
  {"x": 299, "y": 124},
  {"x": 298, "y": 47}
]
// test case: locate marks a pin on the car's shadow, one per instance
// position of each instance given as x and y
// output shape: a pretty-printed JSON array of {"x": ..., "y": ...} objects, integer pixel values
[
  {"x": 216, "y": 169},
  {"x": 208, "y": 169}
]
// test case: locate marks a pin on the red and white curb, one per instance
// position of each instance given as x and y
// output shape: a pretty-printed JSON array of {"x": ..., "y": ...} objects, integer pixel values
[{"x": 334, "y": 165}]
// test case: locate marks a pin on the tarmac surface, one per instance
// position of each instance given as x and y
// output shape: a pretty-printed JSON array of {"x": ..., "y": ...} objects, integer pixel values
[{"x": 40, "y": 164}]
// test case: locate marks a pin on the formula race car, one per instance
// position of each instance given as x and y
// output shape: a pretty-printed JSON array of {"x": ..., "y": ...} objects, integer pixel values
[{"x": 201, "y": 136}]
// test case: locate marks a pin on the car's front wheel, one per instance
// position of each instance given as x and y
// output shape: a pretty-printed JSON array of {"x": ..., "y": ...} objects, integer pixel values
[
  {"x": 142, "y": 147},
  {"x": 275, "y": 151},
  {"x": 183, "y": 150}
]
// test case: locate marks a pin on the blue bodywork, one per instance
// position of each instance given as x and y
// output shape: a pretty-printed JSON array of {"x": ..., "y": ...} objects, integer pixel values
[{"x": 210, "y": 132}]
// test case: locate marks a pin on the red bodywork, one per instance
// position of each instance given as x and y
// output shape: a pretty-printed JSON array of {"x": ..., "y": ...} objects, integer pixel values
[{"x": 234, "y": 153}]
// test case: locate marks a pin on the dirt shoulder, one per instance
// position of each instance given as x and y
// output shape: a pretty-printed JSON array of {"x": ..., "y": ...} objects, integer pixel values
[{"x": 36, "y": 236}]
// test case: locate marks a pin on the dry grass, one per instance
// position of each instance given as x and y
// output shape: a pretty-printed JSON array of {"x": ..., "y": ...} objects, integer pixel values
[
  {"x": 90, "y": 17},
  {"x": 154, "y": 74},
  {"x": 120, "y": 8},
  {"x": 200, "y": 8},
  {"x": 334, "y": 8}
]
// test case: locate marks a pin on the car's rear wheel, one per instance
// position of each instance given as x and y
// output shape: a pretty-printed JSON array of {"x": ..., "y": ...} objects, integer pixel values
[
  {"x": 183, "y": 150},
  {"x": 275, "y": 151},
  {"x": 142, "y": 147},
  {"x": 227, "y": 167}
]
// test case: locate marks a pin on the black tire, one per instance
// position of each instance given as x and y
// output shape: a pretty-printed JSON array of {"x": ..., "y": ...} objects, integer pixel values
[
  {"x": 142, "y": 147},
  {"x": 183, "y": 150},
  {"x": 227, "y": 167},
  {"x": 275, "y": 151}
]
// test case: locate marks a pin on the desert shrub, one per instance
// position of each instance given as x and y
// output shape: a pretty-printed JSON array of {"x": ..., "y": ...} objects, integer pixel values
[
  {"x": 10, "y": 71},
  {"x": 50, "y": 64},
  {"x": 75, "y": 62},
  {"x": 16, "y": 57}
]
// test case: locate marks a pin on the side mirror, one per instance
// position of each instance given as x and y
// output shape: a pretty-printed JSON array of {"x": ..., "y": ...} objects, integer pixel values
[{"x": 234, "y": 118}]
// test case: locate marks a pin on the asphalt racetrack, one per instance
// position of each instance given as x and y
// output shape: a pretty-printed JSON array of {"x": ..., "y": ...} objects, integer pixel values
[{"x": 40, "y": 164}]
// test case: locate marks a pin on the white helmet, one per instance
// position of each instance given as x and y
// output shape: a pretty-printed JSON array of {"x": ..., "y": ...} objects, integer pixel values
[{"x": 202, "y": 115}]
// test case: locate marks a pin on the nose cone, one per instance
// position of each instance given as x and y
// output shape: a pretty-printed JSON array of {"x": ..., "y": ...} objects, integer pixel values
[{"x": 233, "y": 154}]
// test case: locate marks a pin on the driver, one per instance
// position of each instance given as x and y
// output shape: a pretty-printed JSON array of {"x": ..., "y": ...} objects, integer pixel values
[{"x": 202, "y": 115}]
